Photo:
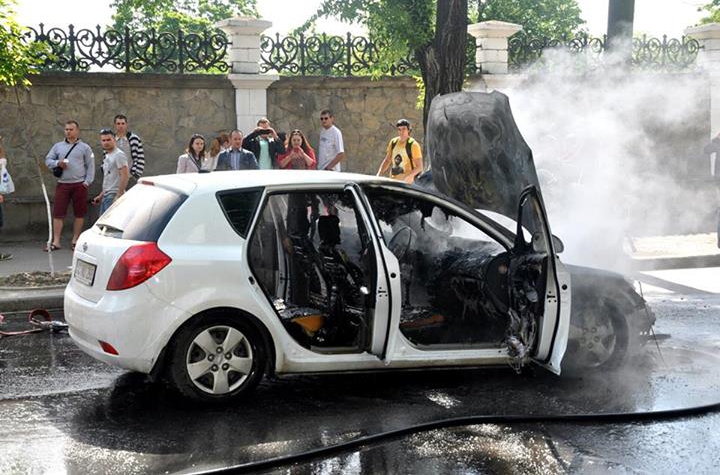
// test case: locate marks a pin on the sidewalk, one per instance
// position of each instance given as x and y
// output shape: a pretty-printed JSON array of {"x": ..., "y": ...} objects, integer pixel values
[{"x": 652, "y": 258}]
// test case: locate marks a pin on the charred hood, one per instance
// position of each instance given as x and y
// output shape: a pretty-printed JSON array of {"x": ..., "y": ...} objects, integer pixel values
[{"x": 476, "y": 153}]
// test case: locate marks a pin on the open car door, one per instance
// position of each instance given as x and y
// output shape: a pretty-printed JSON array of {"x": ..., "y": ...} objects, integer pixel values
[{"x": 539, "y": 289}]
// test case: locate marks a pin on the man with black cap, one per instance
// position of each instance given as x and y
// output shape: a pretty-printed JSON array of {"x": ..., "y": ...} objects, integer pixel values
[{"x": 404, "y": 156}]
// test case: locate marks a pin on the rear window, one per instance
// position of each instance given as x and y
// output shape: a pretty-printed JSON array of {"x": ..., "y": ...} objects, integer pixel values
[
  {"x": 239, "y": 207},
  {"x": 141, "y": 214}
]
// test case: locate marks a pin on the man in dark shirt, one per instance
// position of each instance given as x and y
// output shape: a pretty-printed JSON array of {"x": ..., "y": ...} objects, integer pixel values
[
  {"x": 714, "y": 147},
  {"x": 237, "y": 158}
]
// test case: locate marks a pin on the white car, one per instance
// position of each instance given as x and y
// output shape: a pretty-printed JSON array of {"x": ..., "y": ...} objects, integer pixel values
[{"x": 214, "y": 280}]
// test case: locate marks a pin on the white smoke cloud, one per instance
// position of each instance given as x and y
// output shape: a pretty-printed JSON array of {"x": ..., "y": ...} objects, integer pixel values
[{"x": 618, "y": 152}]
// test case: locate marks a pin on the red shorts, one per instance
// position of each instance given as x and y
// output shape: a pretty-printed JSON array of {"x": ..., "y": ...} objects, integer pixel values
[{"x": 67, "y": 192}]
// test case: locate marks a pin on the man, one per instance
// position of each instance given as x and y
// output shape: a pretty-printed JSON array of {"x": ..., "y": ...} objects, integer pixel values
[
  {"x": 404, "y": 156},
  {"x": 76, "y": 163},
  {"x": 131, "y": 146},
  {"x": 236, "y": 158},
  {"x": 115, "y": 172},
  {"x": 265, "y": 144},
  {"x": 330, "y": 151},
  {"x": 714, "y": 147},
  {"x": 3, "y": 161}
]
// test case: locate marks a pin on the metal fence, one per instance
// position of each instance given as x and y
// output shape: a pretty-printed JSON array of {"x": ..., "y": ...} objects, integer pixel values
[
  {"x": 327, "y": 55},
  {"x": 647, "y": 53},
  {"x": 132, "y": 51}
]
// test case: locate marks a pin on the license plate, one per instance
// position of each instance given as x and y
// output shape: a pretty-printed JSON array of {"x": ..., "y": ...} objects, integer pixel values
[{"x": 85, "y": 272}]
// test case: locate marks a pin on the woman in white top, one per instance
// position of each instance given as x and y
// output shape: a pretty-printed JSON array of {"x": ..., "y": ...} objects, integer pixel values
[
  {"x": 218, "y": 145},
  {"x": 191, "y": 161}
]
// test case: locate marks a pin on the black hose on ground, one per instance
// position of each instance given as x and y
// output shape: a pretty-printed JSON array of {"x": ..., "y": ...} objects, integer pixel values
[{"x": 616, "y": 417}]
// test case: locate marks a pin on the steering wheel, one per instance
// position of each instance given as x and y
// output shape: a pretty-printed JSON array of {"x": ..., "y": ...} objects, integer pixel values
[{"x": 400, "y": 242}]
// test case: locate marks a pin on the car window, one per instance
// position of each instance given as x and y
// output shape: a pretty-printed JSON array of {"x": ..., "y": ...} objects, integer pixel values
[
  {"x": 239, "y": 208},
  {"x": 141, "y": 214}
]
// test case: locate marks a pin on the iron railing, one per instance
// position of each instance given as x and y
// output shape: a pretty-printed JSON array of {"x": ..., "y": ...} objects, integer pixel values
[
  {"x": 327, "y": 55},
  {"x": 647, "y": 53},
  {"x": 132, "y": 51}
]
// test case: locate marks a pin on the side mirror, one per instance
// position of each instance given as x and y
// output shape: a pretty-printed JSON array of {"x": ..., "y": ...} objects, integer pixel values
[{"x": 558, "y": 244}]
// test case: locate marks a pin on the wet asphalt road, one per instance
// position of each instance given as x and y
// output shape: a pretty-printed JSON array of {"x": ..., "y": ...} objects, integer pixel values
[{"x": 62, "y": 412}]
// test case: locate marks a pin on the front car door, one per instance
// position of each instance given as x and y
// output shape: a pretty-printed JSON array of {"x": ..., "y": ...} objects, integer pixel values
[{"x": 454, "y": 281}]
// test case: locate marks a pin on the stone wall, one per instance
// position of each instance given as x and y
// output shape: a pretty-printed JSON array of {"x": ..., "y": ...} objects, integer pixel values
[
  {"x": 165, "y": 110},
  {"x": 365, "y": 110}
]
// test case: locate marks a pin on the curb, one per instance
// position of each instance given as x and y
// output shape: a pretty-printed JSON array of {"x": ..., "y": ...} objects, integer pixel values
[
  {"x": 669, "y": 263},
  {"x": 22, "y": 300}
]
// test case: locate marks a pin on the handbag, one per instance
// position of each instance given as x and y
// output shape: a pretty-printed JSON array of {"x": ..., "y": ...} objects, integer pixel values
[
  {"x": 6, "y": 184},
  {"x": 58, "y": 171}
]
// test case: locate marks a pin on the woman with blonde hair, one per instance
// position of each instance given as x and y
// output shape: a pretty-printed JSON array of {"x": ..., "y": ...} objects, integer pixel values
[
  {"x": 299, "y": 155},
  {"x": 218, "y": 145}
]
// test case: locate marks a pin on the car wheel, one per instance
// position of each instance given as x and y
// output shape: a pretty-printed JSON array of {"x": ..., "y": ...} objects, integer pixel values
[
  {"x": 598, "y": 339},
  {"x": 217, "y": 358}
]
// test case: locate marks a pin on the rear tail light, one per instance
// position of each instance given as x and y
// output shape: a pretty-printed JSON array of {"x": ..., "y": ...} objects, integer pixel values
[
  {"x": 108, "y": 348},
  {"x": 137, "y": 265}
]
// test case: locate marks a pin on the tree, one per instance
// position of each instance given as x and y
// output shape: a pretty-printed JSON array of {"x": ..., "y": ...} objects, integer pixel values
[
  {"x": 18, "y": 59},
  {"x": 434, "y": 32},
  {"x": 552, "y": 19},
  {"x": 192, "y": 16},
  {"x": 713, "y": 9}
]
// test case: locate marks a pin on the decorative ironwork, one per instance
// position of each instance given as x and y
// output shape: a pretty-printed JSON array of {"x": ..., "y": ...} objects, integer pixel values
[
  {"x": 132, "y": 51},
  {"x": 647, "y": 53},
  {"x": 653, "y": 53},
  {"x": 328, "y": 56}
]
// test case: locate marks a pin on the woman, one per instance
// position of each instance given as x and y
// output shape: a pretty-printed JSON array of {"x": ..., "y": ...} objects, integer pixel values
[
  {"x": 218, "y": 145},
  {"x": 299, "y": 155},
  {"x": 191, "y": 160}
]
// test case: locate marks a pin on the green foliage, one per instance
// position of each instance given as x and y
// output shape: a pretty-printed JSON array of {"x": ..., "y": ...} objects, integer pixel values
[
  {"x": 713, "y": 9},
  {"x": 18, "y": 60},
  {"x": 400, "y": 26},
  {"x": 191, "y": 16},
  {"x": 552, "y": 19}
]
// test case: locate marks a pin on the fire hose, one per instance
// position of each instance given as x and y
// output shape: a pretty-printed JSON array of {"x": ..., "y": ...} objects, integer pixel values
[
  {"x": 41, "y": 320},
  {"x": 365, "y": 441}
]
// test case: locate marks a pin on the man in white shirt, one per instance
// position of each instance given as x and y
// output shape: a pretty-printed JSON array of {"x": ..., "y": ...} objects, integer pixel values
[{"x": 331, "y": 150}]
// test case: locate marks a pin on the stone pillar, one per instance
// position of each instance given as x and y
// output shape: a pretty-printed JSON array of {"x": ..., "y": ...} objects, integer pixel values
[
  {"x": 709, "y": 59},
  {"x": 250, "y": 85},
  {"x": 491, "y": 39}
]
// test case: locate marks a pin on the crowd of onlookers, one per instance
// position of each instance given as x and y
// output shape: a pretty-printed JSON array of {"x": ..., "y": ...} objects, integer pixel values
[{"x": 72, "y": 161}]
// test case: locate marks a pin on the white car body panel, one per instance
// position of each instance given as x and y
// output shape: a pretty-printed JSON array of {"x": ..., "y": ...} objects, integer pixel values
[{"x": 207, "y": 255}]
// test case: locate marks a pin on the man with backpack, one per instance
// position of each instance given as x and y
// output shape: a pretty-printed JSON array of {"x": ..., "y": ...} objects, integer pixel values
[{"x": 404, "y": 156}]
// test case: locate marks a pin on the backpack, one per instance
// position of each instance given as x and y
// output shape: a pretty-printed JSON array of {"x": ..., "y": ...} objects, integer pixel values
[{"x": 408, "y": 149}]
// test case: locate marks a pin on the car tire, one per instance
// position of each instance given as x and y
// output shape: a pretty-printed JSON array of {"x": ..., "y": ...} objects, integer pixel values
[
  {"x": 598, "y": 339},
  {"x": 217, "y": 358}
]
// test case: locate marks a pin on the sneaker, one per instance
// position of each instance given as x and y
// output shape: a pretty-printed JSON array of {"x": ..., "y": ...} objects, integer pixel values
[{"x": 5, "y": 257}]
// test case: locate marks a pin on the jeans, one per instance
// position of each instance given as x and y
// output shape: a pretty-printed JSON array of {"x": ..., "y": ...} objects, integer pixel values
[{"x": 107, "y": 200}]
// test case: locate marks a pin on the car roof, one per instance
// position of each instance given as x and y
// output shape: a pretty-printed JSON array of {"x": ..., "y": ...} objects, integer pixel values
[{"x": 224, "y": 180}]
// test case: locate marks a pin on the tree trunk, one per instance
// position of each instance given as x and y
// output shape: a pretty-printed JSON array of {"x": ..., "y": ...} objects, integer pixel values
[{"x": 442, "y": 63}]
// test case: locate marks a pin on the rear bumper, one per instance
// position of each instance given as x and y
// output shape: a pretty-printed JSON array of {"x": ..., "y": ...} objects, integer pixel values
[{"x": 133, "y": 321}]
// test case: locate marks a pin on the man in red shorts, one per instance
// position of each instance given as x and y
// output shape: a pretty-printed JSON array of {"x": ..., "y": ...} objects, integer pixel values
[{"x": 76, "y": 172}]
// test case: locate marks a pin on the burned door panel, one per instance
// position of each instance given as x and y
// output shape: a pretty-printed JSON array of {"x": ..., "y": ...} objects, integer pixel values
[
  {"x": 453, "y": 275},
  {"x": 323, "y": 268}
]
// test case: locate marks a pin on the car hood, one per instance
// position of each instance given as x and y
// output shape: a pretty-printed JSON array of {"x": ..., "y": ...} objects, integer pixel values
[{"x": 475, "y": 152}]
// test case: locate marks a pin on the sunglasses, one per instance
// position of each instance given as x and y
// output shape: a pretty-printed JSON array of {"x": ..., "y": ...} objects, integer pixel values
[
  {"x": 324, "y": 118},
  {"x": 107, "y": 132}
]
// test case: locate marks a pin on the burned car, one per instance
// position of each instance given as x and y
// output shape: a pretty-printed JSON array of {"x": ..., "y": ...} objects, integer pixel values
[{"x": 232, "y": 275}]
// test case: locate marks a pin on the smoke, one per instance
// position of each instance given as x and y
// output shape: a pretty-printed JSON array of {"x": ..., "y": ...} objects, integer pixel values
[{"x": 618, "y": 152}]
